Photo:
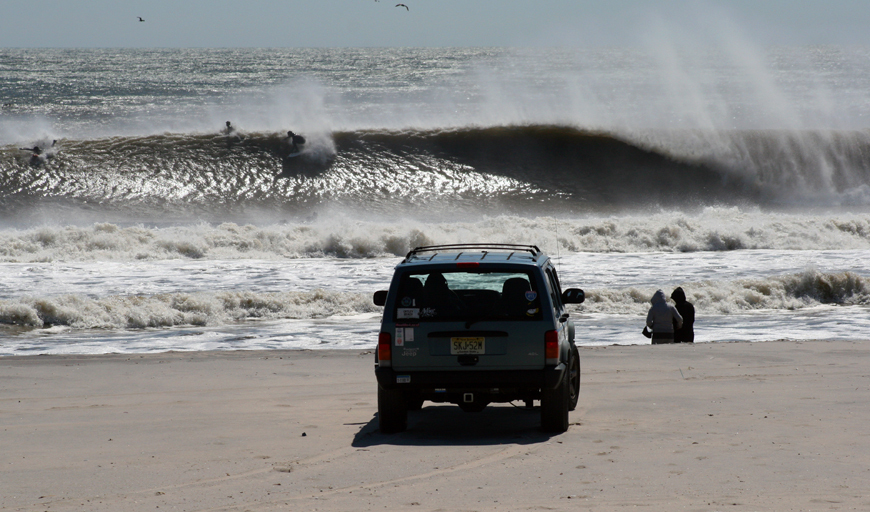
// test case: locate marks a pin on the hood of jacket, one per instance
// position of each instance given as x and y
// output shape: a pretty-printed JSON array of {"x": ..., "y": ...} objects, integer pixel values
[
  {"x": 679, "y": 295},
  {"x": 658, "y": 297}
]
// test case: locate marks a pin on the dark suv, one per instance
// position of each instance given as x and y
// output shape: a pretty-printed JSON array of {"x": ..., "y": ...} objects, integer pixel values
[{"x": 472, "y": 324}]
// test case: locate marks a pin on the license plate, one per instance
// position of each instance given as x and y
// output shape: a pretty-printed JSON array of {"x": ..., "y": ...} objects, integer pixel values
[{"x": 462, "y": 346}]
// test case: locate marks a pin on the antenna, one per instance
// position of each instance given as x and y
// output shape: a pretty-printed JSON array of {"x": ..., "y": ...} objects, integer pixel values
[{"x": 558, "y": 249}]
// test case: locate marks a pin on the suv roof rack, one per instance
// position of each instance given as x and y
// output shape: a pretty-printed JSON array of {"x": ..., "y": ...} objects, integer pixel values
[{"x": 533, "y": 249}]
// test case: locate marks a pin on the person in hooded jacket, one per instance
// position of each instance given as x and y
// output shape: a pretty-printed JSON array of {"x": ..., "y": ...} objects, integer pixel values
[
  {"x": 686, "y": 333},
  {"x": 662, "y": 319}
]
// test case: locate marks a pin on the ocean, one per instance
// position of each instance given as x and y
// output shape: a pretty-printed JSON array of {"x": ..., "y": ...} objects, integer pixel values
[{"x": 739, "y": 174}]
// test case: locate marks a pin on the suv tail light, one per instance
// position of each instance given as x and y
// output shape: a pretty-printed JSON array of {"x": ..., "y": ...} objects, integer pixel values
[
  {"x": 551, "y": 347},
  {"x": 385, "y": 352}
]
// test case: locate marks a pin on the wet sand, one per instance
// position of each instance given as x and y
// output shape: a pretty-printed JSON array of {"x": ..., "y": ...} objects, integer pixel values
[{"x": 706, "y": 427}]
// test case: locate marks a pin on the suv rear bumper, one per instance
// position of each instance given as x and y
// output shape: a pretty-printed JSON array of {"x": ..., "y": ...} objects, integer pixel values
[{"x": 546, "y": 378}]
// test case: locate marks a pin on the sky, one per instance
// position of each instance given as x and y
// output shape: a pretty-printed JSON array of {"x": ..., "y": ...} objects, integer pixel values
[{"x": 426, "y": 23}]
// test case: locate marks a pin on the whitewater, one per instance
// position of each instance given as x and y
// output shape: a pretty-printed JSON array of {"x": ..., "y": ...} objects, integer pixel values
[{"x": 741, "y": 175}]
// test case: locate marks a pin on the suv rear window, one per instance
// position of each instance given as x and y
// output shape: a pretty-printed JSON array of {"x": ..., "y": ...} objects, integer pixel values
[{"x": 467, "y": 295}]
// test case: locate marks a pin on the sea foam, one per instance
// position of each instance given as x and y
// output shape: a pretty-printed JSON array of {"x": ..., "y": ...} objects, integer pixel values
[
  {"x": 174, "y": 309},
  {"x": 785, "y": 292},
  {"x": 339, "y": 235}
]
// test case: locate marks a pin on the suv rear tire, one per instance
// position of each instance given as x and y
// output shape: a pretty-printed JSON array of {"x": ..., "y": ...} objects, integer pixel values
[
  {"x": 574, "y": 378},
  {"x": 392, "y": 411},
  {"x": 554, "y": 407}
]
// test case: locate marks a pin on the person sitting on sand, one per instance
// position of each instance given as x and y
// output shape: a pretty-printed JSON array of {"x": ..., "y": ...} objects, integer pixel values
[
  {"x": 685, "y": 333},
  {"x": 662, "y": 319}
]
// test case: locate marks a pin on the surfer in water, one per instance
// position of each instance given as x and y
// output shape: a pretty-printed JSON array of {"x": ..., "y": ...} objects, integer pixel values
[
  {"x": 38, "y": 151},
  {"x": 231, "y": 134},
  {"x": 35, "y": 155},
  {"x": 294, "y": 141}
]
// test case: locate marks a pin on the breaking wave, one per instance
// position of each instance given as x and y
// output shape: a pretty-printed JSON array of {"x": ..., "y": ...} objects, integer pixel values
[
  {"x": 786, "y": 292},
  {"x": 175, "y": 309},
  {"x": 496, "y": 170}
]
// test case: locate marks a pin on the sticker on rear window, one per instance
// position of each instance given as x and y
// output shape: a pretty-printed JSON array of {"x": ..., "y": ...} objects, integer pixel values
[
  {"x": 530, "y": 296},
  {"x": 404, "y": 313}
]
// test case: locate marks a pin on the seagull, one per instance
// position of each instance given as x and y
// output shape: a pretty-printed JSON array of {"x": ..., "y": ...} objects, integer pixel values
[
  {"x": 402, "y": 5},
  {"x": 140, "y": 18}
]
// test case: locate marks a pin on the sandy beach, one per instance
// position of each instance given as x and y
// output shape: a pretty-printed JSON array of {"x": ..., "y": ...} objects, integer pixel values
[{"x": 705, "y": 427}]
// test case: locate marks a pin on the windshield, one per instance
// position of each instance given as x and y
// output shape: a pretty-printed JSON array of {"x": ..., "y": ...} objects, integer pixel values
[{"x": 470, "y": 296}]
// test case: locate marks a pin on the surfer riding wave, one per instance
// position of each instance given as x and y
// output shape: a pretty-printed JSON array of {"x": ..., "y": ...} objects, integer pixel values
[{"x": 295, "y": 141}]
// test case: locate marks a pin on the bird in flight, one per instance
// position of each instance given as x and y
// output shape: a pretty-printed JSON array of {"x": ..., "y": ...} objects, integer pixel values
[
  {"x": 402, "y": 5},
  {"x": 140, "y": 18}
]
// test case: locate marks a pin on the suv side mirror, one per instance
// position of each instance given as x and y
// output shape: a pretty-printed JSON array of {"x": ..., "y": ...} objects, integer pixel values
[
  {"x": 573, "y": 296},
  {"x": 380, "y": 298}
]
